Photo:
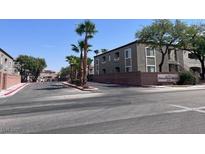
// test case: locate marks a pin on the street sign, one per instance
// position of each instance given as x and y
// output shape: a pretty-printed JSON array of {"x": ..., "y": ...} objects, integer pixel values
[{"x": 168, "y": 77}]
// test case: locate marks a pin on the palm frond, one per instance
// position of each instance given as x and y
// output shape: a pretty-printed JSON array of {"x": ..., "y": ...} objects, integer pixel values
[
  {"x": 75, "y": 48},
  {"x": 80, "y": 29}
]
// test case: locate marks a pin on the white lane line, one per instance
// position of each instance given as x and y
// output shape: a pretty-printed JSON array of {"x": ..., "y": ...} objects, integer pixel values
[
  {"x": 183, "y": 107},
  {"x": 197, "y": 109},
  {"x": 203, "y": 107},
  {"x": 67, "y": 97},
  {"x": 176, "y": 111}
]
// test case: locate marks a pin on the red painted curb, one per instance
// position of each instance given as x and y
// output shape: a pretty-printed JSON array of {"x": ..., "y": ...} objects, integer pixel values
[{"x": 13, "y": 90}]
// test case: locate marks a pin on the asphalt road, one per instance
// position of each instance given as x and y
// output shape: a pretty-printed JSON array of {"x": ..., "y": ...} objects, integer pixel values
[{"x": 55, "y": 108}]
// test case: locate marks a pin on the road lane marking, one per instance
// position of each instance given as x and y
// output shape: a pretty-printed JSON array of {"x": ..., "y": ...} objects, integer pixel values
[
  {"x": 176, "y": 111},
  {"x": 68, "y": 97},
  {"x": 196, "y": 109}
]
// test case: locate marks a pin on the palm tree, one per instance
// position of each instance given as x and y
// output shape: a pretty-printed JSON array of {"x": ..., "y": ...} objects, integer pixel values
[
  {"x": 79, "y": 48},
  {"x": 96, "y": 52},
  {"x": 104, "y": 50},
  {"x": 86, "y": 29},
  {"x": 74, "y": 64}
]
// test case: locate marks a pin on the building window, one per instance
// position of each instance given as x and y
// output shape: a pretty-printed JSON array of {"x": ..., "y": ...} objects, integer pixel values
[
  {"x": 104, "y": 71},
  {"x": 192, "y": 56},
  {"x": 173, "y": 68},
  {"x": 128, "y": 60},
  {"x": 6, "y": 62},
  {"x": 151, "y": 61},
  {"x": 150, "y": 52},
  {"x": 97, "y": 66},
  {"x": 169, "y": 54},
  {"x": 109, "y": 58},
  {"x": 151, "y": 69},
  {"x": 117, "y": 69},
  {"x": 175, "y": 55},
  {"x": 150, "y": 56},
  {"x": 128, "y": 69},
  {"x": 128, "y": 53},
  {"x": 117, "y": 56},
  {"x": 172, "y": 55},
  {"x": 1, "y": 59},
  {"x": 103, "y": 59}
]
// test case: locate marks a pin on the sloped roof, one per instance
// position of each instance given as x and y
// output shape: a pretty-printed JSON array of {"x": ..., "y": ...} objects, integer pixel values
[
  {"x": 1, "y": 50},
  {"x": 136, "y": 41}
]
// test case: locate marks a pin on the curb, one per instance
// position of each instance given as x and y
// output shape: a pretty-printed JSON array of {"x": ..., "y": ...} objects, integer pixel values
[
  {"x": 80, "y": 88},
  {"x": 13, "y": 91}
]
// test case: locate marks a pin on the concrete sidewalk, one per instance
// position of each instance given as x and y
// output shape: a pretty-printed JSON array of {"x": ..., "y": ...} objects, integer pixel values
[
  {"x": 12, "y": 90},
  {"x": 171, "y": 88}
]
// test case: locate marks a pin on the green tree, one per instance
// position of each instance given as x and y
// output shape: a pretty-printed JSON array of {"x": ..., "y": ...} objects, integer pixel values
[
  {"x": 29, "y": 66},
  {"x": 162, "y": 35},
  {"x": 39, "y": 65},
  {"x": 86, "y": 29},
  {"x": 63, "y": 74},
  {"x": 74, "y": 63},
  {"x": 194, "y": 42}
]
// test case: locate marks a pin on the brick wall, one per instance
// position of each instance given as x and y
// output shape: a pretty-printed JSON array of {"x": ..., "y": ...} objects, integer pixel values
[
  {"x": 131, "y": 78},
  {"x": 8, "y": 80}
]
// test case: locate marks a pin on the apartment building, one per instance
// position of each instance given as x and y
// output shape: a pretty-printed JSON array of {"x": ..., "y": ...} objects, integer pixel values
[
  {"x": 191, "y": 62},
  {"x": 6, "y": 62},
  {"x": 137, "y": 63},
  {"x": 47, "y": 76},
  {"x": 8, "y": 74}
]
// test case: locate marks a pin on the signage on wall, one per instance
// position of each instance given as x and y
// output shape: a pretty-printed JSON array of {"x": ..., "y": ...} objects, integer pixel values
[{"x": 167, "y": 77}]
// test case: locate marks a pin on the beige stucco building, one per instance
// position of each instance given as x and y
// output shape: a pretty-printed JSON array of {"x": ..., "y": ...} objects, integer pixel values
[
  {"x": 136, "y": 60},
  {"x": 8, "y": 74},
  {"x": 6, "y": 62},
  {"x": 135, "y": 57},
  {"x": 47, "y": 75}
]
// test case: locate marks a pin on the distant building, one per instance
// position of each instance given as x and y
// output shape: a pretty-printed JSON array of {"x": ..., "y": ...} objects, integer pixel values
[
  {"x": 8, "y": 74},
  {"x": 47, "y": 76},
  {"x": 91, "y": 70}
]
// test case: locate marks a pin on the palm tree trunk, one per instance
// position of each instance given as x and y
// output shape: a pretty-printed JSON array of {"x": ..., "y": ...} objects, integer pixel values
[
  {"x": 85, "y": 69},
  {"x": 71, "y": 74},
  {"x": 85, "y": 63},
  {"x": 81, "y": 68},
  {"x": 161, "y": 63}
]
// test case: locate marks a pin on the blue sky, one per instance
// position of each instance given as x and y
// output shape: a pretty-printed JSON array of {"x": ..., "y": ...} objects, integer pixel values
[{"x": 51, "y": 39}]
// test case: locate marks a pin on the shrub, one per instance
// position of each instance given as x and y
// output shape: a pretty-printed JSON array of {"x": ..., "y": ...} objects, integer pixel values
[
  {"x": 76, "y": 82},
  {"x": 187, "y": 78}
]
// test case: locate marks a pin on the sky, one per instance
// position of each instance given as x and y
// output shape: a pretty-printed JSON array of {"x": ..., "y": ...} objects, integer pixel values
[{"x": 51, "y": 39}]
